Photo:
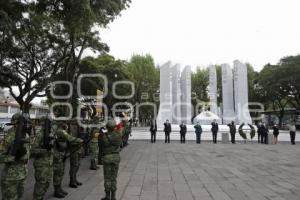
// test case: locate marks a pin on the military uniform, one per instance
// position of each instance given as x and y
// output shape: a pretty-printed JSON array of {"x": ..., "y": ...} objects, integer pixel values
[
  {"x": 126, "y": 134},
  {"x": 58, "y": 159},
  {"x": 198, "y": 131},
  {"x": 43, "y": 166},
  {"x": 111, "y": 148},
  {"x": 74, "y": 149},
  {"x": 15, "y": 171},
  {"x": 94, "y": 148}
]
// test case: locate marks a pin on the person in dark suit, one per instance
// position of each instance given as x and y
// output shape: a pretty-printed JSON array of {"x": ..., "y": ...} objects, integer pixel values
[
  {"x": 153, "y": 129},
  {"x": 214, "y": 130},
  {"x": 167, "y": 131},
  {"x": 182, "y": 132},
  {"x": 264, "y": 134},
  {"x": 275, "y": 133},
  {"x": 259, "y": 132}
]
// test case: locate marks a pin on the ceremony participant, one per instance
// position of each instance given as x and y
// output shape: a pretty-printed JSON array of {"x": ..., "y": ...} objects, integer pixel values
[
  {"x": 183, "y": 130},
  {"x": 292, "y": 129},
  {"x": 15, "y": 170},
  {"x": 198, "y": 131},
  {"x": 214, "y": 130},
  {"x": 232, "y": 130},
  {"x": 275, "y": 133},
  {"x": 112, "y": 140},
  {"x": 153, "y": 129},
  {"x": 167, "y": 130},
  {"x": 42, "y": 152},
  {"x": 60, "y": 149}
]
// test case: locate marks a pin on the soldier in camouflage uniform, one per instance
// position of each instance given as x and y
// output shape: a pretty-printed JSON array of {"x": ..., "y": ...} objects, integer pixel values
[
  {"x": 74, "y": 149},
  {"x": 126, "y": 134},
  {"x": 94, "y": 148},
  {"x": 112, "y": 140},
  {"x": 62, "y": 137},
  {"x": 43, "y": 162},
  {"x": 15, "y": 169}
]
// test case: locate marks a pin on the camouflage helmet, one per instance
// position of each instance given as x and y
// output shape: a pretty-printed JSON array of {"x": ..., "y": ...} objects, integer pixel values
[
  {"x": 15, "y": 118},
  {"x": 111, "y": 123}
]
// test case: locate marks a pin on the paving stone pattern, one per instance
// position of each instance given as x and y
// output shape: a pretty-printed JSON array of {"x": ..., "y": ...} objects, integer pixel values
[{"x": 195, "y": 172}]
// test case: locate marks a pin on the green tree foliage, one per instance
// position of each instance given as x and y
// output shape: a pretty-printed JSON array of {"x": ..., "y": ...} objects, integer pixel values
[
  {"x": 142, "y": 72},
  {"x": 114, "y": 70},
  {"x": 200, "y": 81},
  {"x": 42, "y": 38}
]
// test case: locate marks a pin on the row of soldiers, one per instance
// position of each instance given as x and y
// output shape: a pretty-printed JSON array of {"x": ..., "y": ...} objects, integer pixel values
[{"x": 50, "y": 147}]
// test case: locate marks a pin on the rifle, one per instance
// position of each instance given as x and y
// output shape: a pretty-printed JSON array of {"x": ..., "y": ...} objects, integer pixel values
[
  {"x": 18, "y": 149},
  {"x": 48, "y": 139}
]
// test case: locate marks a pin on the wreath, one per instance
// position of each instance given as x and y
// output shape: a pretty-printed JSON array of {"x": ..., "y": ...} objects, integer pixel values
[{"x": 243, "y": 134}]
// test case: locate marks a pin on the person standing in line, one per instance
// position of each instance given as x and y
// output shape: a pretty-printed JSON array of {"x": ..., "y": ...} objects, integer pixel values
[
  {"x": 74, "y": 149},
  {"x": 42, "y": 152},
  {"x": 275, "y": 133},
  {"x": 15, "y": 170},
  {"x": 112, "y": 139},
  {"x": 264, "y": 134},
  {"x": 292, "y": 129},
  {"x": 259, "y": 132},
  {"x": 214, "y": 130},
  {"x": 60, "y": 149},
  {"x": 153, "y": 129},
  {"x": 182, "y": 132},
  {"x": 167, "y": 131},
  {"x": 232, "y": 130},
  {"x": 198, "y": 131}
]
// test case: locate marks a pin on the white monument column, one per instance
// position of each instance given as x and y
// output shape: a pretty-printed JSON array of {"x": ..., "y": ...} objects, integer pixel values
[
  {"x": 176, "y": 93},
  {"x": 165, "y": 95},
  {"x": 213, "y": 89},
  {"x": 227, "y": 94},
  {"x": 186, "y": 93},
  {"x": 241, "y": 93}
]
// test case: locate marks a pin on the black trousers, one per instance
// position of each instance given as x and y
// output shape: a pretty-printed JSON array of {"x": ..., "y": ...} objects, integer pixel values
[
  {"x": 264, "y": 138},
  {"x": 215, "y": 137},
  {"x": 293, "y": 136},
  {"x": 153, "y": 136},
  {"x": 232, "y": 138},
  {"x": 182, "y": 137},
  {"x": 259, "y": 137},
  {"x": 198, "y": 138},
  {"x": 167, "y": 137}
]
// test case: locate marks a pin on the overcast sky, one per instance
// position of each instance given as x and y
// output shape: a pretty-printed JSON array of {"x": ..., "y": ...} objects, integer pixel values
[{"x": 203, "y": 32}]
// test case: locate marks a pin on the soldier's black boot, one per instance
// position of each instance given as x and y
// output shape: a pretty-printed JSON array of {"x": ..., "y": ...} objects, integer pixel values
[
  {"x": 107, "y": 196},
  {"x": 57, "y": 192},
  {"x": 93, "y": 165},
  {"x": 113, "y": 196},
  {"x": 63, "y": 191},
  {"x": 77, "y": 182},
  {"x": 73, "y": 183}
]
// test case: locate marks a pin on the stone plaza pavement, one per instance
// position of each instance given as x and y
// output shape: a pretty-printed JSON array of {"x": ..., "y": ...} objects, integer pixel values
[{"x": 190, "y": 171}]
